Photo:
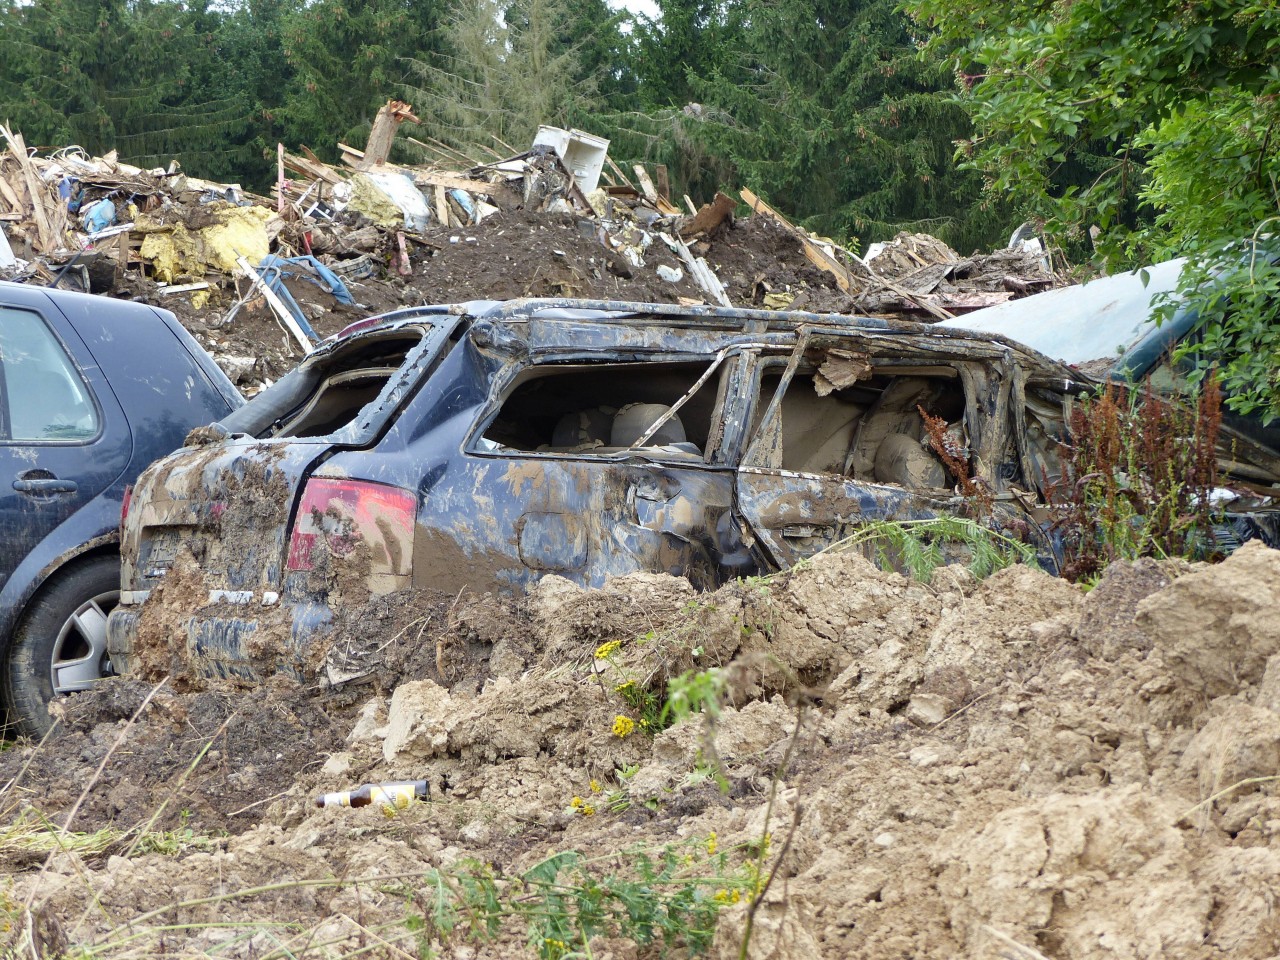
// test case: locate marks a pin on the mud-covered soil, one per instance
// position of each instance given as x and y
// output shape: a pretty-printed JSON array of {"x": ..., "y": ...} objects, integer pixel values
[{"x": 948, "y": 769}]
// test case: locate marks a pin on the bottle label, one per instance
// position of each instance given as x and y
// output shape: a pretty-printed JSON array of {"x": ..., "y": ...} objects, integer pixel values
[
  {"x": 397, "y": 796},
  {"x": 342, "y": 799}
]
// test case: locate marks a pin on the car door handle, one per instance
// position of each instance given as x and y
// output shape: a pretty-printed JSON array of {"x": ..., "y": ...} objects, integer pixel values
[
  {"x": 807, "y": 531},
  {"x": 45, "y": 486}
]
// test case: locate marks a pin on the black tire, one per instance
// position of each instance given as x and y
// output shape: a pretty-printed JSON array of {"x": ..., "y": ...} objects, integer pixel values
[{"x": 61, "y": 644}]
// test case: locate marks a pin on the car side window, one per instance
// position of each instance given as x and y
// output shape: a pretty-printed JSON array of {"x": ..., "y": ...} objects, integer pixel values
[
  {"x": 851, "y": 417},
  {"x": 44, "y": 395},
  {"x": 601, "y": 409}
]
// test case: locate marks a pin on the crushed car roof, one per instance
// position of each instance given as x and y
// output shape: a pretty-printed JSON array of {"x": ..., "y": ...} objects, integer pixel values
[{"x": 1109, "y": 318}]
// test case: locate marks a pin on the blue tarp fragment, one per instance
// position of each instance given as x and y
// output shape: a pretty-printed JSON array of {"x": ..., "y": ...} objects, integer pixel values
[{"x": 273, "y": 271}]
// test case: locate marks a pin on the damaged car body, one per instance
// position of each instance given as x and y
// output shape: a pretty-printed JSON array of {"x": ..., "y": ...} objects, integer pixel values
[{"x": 485, "y": 445}]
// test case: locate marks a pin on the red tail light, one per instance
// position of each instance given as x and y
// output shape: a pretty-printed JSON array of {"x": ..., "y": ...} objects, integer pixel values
[
  {"x": 124, "y": 504},
  {"x": 337, "y": 517}
]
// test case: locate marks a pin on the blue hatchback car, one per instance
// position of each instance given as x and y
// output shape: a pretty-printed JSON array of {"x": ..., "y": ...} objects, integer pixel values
[{"x": 92, "y": 390}]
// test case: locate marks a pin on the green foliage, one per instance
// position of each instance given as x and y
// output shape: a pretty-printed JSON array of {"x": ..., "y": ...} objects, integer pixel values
[
  {"x": 827, "y": 109},
  {"x": 106, "y": 74},
  {"x": 693, "y": 692},
  {"x": 509, "y": 67},
  {"x": 919, "y": 547},
  {"x": 1153, "y": 122},
  {"x": 348, "y": 58},
  {"x": 670, "y": 896}
]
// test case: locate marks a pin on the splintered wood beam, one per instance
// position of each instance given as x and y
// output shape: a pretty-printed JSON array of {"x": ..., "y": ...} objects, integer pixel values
[
  {"x": 816, "y": 254},
  {"x": 18, "y": 147},
  {"x": 710, "y": 216},
  {"x": 617, "y": 172},
  {"x": 383, "y": 133}
]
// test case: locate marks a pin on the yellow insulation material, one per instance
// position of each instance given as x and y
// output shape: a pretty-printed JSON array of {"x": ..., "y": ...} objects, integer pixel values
[
  {"x": 174, "y": 251},
  {"x": 368, "y": 198}
]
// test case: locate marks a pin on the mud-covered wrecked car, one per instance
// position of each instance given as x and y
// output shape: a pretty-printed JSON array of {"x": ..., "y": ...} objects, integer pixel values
[{"x": 488, "y": 444}]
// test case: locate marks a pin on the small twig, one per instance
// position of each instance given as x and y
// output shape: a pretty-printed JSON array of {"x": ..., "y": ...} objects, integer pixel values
[
  {"x": 1020, "y": 950},
  {"x": 957, "y": 713},
  {"x": 258, "y": 803},
  {"x": 1226, "y": 790}
]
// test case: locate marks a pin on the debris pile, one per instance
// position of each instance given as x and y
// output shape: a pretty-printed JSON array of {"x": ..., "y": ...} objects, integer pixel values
[
  {"x": 259, "y": 279},
  {"x": 1008, "y": 767}
]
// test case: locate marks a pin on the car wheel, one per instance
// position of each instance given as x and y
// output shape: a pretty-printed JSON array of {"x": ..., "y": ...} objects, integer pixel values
[{"x": 61, "y": 645}]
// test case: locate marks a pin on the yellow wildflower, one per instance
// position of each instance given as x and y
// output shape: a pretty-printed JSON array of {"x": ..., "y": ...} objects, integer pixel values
[
  {"x": 577, "y": 803},
  {"x": 607, "y": 650},
  {"x": 588, "y": 810},
  {"x": 625, "y": 688},
  {"x": 727, "y": 896},
  {"x": 623, "y": 726},
  {"x": 595, "y": 786},
  {"x": 712, "y": 845}
]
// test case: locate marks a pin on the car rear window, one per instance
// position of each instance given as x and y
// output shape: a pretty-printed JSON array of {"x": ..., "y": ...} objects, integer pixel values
[
  {"x": 348, "y": 391},
  {"x": 599, "y": 409},
  {"x": 44, "y": 397}
]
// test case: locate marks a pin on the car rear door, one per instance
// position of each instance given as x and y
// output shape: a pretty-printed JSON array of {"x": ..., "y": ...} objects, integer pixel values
[
  {"x": 63, "y": 437},
  {"x": 838, "y": 440}
]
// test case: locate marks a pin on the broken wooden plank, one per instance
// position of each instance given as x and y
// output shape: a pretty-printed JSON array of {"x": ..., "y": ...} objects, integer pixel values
[
  {"x": 18, "y": 147},
  {"x": 511, "y": 151},
  {"x": 709, "y": 217},
  {"x": 664, "y": 206},
  {"x": 663, "y": 182},
  {"x": 646, "y": 185},
  {"x": 312, "y": 168},
  {"x": 280, "y": 200},
  {"x": 617, "y": 171},
  {"x": 442, "y": 205},
  {"x": 451, "y": 182},
  {"x": 182, "y": 288},
  {"x": 350, "y": 155},
  {"x": 688, "y": 202},
  {"x": 821, "y": 258},
  {"x": 11, "y": 197},
  {"x": 816, "y": 254},
  {"x": 444, "y": 150}
]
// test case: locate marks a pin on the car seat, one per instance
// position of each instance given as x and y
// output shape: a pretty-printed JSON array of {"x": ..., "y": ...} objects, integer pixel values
[
  {"x": 632, "y": 422},
  {"x": 582, "y": 429}
]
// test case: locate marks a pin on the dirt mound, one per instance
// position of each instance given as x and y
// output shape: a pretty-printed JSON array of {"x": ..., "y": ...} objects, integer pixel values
[{"x": 1009, "y": 767}]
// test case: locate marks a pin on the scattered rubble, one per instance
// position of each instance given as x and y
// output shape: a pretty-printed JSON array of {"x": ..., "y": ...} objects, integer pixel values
[
  {"x": 528, "y": 224},
  {"x": 1011, "y": 767}
]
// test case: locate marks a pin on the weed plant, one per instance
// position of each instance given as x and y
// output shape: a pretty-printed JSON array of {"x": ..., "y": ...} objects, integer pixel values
[
  {"x": 1138, "y": 476},
  {"x": 669, "y": 897},
  {"x": 919, "y": 547}
]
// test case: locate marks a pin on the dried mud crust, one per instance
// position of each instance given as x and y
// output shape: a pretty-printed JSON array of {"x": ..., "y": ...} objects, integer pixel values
[{"x": 1087, "y": 775}]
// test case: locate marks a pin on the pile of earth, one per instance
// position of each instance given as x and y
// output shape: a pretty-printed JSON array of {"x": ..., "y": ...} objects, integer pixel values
[
  {"x": 521, "y": 253},
  {"x": 1013, "y": 767},
  {"x": 508, "y": 256}
]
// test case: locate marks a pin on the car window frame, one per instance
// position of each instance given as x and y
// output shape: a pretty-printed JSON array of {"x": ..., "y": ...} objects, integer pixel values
[
  {"x": 100, "y": 416},
  {"x": 717, "y": 456},
  {"x": 791, "y": 364}
]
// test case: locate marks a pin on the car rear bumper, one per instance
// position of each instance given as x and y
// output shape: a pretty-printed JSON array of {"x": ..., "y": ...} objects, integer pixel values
[{"x": 237, "y": 635}]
